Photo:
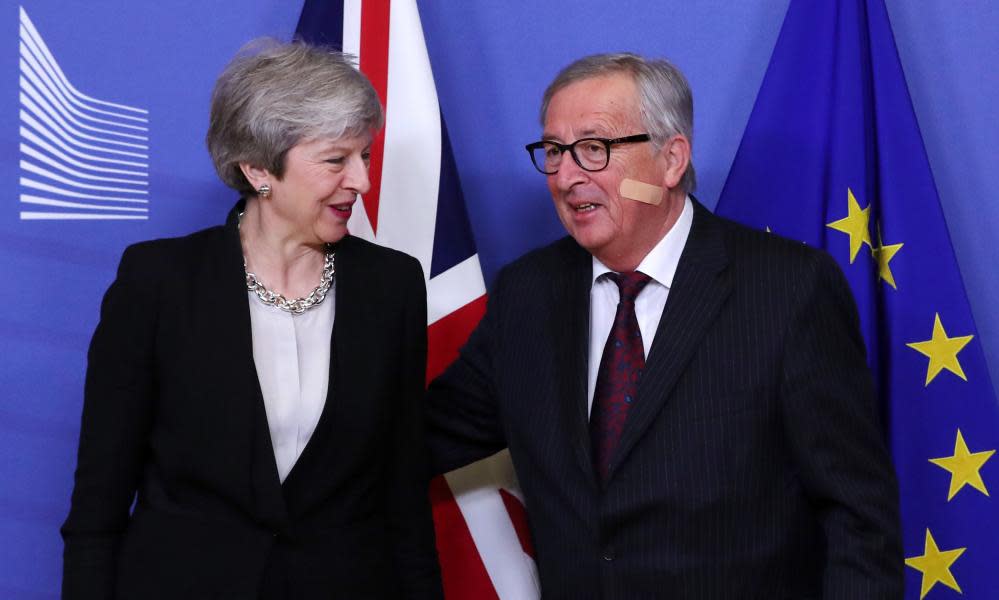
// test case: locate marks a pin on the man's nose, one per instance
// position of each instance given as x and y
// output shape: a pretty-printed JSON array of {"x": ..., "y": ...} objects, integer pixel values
[{"x": 569, "y": 173}]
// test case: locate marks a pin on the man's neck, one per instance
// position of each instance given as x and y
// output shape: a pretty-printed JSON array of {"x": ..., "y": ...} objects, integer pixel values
[{"x": 631, "y": 253}]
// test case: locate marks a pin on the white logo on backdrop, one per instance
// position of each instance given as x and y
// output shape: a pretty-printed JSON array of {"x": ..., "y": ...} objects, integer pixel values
[{"x": 81, "y": 157}]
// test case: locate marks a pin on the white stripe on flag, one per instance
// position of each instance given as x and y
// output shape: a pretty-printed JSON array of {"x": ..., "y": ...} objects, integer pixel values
[
  {"x": 454, "y": 288},
  {"x": 412, "y": 161},
  {"x": 475, "y": 489},
  {"x": 352, "y": 27},
  {"x": 358, "y": 224}
]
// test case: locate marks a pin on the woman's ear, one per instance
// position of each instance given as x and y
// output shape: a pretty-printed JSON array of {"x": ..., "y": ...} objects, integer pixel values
[{"x": 257, "y": 176}]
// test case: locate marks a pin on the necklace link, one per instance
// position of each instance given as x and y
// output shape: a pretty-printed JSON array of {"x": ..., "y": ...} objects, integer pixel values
[{"x": 298, "y": 305}]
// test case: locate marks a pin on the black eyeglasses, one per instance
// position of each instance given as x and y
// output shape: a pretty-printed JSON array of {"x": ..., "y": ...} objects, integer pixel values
[{"x": 591, "y": 154}]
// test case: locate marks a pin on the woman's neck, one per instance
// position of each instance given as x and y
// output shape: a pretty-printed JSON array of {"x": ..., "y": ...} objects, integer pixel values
[{"x": 282, "y": 262}]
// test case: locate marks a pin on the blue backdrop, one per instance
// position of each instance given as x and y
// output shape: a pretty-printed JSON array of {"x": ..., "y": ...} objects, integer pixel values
[{"x": 492, "y": 62}]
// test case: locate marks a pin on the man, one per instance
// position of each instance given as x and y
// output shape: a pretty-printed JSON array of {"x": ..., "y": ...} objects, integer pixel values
[{"x": 686, "y": 401}]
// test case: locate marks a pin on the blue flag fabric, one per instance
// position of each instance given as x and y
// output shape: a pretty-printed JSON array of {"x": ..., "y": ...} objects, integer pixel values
[{"x": 832, "y": 156}]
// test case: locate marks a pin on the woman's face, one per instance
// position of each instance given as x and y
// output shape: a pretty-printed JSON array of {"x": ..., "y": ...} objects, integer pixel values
[{"x": 321, "y": 181}]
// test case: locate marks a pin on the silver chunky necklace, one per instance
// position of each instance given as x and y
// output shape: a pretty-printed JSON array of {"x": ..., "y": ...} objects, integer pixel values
[{"x": 298, "y": 305}]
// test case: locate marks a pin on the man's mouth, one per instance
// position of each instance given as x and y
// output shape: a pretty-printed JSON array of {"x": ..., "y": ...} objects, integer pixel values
[{"x": 585, "y": 207}]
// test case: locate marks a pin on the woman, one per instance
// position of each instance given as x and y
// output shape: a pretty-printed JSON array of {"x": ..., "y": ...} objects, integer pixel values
[{"x": 254, "y": 387}]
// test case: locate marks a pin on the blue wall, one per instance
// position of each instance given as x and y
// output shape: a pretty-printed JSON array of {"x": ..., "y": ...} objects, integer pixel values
[{"x": 492, "y": 61}]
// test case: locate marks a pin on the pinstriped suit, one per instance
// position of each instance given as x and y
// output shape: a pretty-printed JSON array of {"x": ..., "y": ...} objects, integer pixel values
[{"x": 751, "y": 465}]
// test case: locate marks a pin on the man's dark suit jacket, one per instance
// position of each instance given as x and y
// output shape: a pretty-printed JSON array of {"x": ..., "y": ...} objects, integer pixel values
[
  {"x": 173, "y": 410},
  {"x": 752, "y": 463}
]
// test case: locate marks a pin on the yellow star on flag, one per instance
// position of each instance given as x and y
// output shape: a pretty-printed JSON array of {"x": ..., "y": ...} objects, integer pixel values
[
  {"x": 964, "y": 466},
  {"x": 856, "y": 224},
  {"x": 935, "y": 565},
  {"x": 882, "y": 255},
  {"x": 942, "y": 351}
]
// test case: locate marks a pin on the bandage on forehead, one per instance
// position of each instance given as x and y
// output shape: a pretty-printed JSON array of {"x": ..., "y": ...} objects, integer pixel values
[{"x": 641, "y": 192}]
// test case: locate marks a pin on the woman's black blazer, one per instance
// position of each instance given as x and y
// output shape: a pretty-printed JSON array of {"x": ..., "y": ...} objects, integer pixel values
[{"x": 177, "y": 493}]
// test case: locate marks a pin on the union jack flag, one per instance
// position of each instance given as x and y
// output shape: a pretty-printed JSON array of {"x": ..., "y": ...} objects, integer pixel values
[{"x": 416, "y": 205}]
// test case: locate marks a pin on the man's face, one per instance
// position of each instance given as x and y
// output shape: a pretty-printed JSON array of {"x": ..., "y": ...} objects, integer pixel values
[{"x": 612, "y": 228}]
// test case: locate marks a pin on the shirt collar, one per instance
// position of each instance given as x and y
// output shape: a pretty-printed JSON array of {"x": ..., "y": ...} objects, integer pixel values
[{"x": 660, "y": 263}]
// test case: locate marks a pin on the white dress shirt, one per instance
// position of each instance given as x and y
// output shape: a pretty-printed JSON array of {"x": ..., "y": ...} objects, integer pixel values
[
  {"x": 659, "y": 264},
  {"x": 292, "y": 356}
]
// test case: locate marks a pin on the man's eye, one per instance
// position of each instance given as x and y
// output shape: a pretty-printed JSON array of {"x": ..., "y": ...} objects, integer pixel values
[{"x": 552, "y": 151}]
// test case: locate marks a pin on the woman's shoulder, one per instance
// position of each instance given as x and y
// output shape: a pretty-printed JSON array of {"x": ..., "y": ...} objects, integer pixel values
[
  {"x": 174, "y": 251},
  {"x": 380, "y": 271},
  {"x": 359, "y": 250}
]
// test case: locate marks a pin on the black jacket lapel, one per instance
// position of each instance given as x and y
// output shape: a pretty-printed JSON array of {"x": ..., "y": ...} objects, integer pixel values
[
  {"x": 234, "y": 323},
  {"x": 699, "y": 290},
  {"x": 346, "y": 345},
  {"x": 570, "y": 331}
]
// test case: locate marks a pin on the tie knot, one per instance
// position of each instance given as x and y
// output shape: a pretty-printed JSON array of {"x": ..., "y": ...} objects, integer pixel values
[{"x": 630, "y": 284}]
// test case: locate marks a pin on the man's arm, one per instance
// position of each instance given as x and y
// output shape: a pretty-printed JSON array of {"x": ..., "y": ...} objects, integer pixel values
[
  {"x": 462, "y": 415},
  {"x": 831, "y": 420}
]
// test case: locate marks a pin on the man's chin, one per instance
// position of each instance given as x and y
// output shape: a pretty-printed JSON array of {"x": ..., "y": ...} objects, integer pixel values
[{"x": 590, "y": 242}]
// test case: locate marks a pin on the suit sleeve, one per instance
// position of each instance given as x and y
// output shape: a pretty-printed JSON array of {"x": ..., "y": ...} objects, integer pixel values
[
  {"x": 408, "y": 500},
  {"x": 463, "y": 421},
  {"x": 117, "y": 410},
  {"x": 831, "y": 419}
]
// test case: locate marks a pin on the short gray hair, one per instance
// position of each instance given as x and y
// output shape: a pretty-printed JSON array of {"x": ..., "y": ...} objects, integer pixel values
[
  {"x": 665, "y": 99},
  {"x": 273, "y": 95}
]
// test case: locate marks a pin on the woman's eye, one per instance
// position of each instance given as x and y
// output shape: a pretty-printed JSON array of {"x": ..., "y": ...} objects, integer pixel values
[
  {"x": 366, "y": 157},
  {"x": 336, "y": 161}
]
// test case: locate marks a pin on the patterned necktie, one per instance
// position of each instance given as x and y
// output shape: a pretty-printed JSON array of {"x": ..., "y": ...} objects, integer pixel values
[{"x": 620, "y": 370}]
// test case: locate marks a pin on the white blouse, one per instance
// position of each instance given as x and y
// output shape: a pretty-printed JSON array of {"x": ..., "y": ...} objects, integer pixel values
[{"x": 292, "y": 356}]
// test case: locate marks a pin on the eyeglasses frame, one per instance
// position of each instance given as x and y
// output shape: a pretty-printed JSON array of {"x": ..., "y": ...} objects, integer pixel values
[{"x": 608, "y": 144}]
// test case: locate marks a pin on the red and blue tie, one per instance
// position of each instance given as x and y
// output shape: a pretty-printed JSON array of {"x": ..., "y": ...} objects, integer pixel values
[{"x": 620, "y": 371}]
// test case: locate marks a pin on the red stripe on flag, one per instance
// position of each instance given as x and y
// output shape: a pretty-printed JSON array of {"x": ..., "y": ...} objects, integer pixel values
[
  {"x": 518, "y": 516},
  {"x": 374, "y": 64},
  {"x": 446, "y": 336},
  {"x": 462, "y": 571}
]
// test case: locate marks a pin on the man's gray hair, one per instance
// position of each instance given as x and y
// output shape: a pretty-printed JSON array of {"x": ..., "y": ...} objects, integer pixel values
[
  {"x": 273, "y": 95},
  {"x": 665, "y": 99}
]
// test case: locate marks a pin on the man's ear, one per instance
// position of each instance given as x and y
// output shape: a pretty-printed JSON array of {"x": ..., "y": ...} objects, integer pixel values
[
  {"x": 257, "y": 176},
  {"x": 676, "y": 154}
]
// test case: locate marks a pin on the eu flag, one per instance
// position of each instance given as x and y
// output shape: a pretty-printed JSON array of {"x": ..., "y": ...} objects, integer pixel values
[{"x": 832, "y": 156}]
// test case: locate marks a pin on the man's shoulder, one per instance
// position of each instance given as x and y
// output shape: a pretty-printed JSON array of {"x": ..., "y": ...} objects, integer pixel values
[
  {"x": 762, "y": 260},
  {"x": 749, "y": 247},
  {"x": 546, "y": 262}
]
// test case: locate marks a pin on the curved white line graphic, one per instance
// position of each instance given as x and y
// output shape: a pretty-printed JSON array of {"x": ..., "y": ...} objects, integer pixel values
[
  {"x": 31, "y": 122},
  {"x": 70, "y": 141},
  {"x": 35, "y": 169},
  {"x": 35, "y": 154},
  {"x": 44, "y": 216},
  {"x": 32, "y": 33},
  {"x": 43, "y": 81},
  {"x": 29, "y": 199},
  {"x": 28, "y": 89},
  {"x": 44, "y": 187}
]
